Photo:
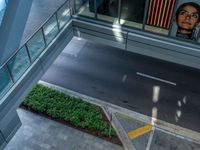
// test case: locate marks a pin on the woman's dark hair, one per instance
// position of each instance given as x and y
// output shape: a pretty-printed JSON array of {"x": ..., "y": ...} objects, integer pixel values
[{"x": 195, "y": 5}]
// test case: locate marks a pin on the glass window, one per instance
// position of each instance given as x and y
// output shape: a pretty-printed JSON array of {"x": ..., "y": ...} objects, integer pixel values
[
  {"x": 159, "y": 16},
  {"x": 3, "y": 4},
  {"x": 107, "y": 10},
  {"x": 50, "y": 29},
  {"x": 36, "y": 45},
  {"x": 85, "y": 8},
  {"x": 132, "y": 13},
  {"x": 79, "y": 4},
  {"x": 63, "y": 15},
  {"x": 5, "y": 81},
  {"x": 19, "y": 63}
]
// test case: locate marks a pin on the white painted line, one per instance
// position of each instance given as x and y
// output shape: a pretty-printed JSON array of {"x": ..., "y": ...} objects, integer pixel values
[
  {"x": 150, "y": 139},
  {"x": 124, "y": 78},
  {"x": 155, "y": 78}
]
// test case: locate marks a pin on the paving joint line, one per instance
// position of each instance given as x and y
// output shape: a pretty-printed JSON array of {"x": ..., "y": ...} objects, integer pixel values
[
  {"x": 150, "y": 139},
  {"x": 127, "y": 144}
]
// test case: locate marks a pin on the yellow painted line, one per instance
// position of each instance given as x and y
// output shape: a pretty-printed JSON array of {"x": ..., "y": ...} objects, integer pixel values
[{"x": 139, "y": 132}]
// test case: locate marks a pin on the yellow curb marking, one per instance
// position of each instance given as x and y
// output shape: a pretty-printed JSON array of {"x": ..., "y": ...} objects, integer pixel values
[{"x": 139, "y": 132}]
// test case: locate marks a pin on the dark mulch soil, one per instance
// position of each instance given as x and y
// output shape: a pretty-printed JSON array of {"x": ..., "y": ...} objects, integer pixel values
[{"x": 96, "y": 133}]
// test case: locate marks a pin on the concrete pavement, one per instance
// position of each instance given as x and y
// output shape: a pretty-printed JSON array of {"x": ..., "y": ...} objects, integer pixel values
[
  {"x": 39, "y": 133},
  {"x": 157, "y": 138}
]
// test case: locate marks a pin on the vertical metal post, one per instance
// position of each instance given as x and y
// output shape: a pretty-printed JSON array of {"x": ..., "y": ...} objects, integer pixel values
[
  {"x": 45, "y": 42},
  {"x": 95, "y": 7},
  {"x": 27, "y": 50},
  {"x": 145, "y": 14},
  {"x": 74, "y": 6},
  {"x": 56, "y": 14},
  {"x": 119, "y": 11},
  {"x": 10, "y": 73},
  {"x": 70, "y": 8}
]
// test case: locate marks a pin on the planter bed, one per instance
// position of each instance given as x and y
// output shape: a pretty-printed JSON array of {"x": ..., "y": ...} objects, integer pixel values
[{"x": 70, "y": 111}]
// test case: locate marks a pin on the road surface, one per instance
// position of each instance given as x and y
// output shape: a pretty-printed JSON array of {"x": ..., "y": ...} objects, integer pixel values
[{"x": 167, "y": 91}]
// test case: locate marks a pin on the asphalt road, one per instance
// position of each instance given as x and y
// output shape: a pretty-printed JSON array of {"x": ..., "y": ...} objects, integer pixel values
[{"x": 152, "y": 87}]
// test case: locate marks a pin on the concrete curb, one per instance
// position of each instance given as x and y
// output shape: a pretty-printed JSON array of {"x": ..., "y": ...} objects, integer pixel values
[
  {"x": 127, "y": 144},
  {"x": 159, "y": 124}
]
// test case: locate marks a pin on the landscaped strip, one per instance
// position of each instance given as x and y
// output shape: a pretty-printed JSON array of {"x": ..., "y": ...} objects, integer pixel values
[{"x": 75, "y": 111}]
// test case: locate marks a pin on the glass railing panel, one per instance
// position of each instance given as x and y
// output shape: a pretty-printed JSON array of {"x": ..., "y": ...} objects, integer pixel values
[
  {"x": 19, "y": 63},
  {"x": 36, "y": 45},
  {"x": 5, "y": 81},
  {"x": 50, "y": 29},
  {"x": 25, "y": 56},
  {"x": 63, "y": 15}
]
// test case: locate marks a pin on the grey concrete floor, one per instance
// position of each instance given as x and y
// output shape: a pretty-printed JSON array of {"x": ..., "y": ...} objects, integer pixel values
[
  {"x": 159, "y": 140},
  {"x": 39, "y": 133}
]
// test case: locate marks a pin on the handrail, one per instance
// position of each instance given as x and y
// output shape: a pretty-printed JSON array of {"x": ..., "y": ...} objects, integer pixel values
[
  {"x": 5, "y": 66},
  {"x": 26, "y": 41}
]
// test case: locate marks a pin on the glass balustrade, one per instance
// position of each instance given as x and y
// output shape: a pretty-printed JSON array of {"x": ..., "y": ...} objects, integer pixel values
[
  {"x": 50, "y": 29},
  {"x": 36, "y": 45},
  {"x": 63, "y": 15},
  {"x": 5, "y": 81},
  {"x": 19, "y": 63},
  {"x": 15, "y": 67}
]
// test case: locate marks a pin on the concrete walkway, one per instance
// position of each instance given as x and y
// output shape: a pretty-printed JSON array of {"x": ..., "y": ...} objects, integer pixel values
[
  {"x": 156, "y": 138},
  {"x": 39, "y": 133}
]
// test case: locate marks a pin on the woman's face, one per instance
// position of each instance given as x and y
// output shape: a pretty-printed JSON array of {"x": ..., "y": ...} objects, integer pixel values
[{"x": 188, "y": 18}]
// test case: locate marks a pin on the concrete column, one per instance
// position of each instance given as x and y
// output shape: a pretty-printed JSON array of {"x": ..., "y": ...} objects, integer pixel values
[
  {"x": 12, "y": 27},
  {"x": 2, "y": 141},
  {"x": 9, "y": 125}
]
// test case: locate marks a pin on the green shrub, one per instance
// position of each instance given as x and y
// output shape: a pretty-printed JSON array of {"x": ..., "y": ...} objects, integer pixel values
[{"x": 74, "y": 110}]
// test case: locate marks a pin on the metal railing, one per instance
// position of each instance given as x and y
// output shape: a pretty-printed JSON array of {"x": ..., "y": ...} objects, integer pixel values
[{"x": 24, "y": 57}]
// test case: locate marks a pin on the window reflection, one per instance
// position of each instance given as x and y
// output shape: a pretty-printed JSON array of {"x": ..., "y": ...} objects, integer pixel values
[
  {"x": 107, "y": 7},
  {"x": 132, "y": 12},
  {"x": 150, "y": 15},
  {"x": 107, "y": 10},
  {"x": 85, "y": 8},
  {"x": 79, "y": 4}
]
